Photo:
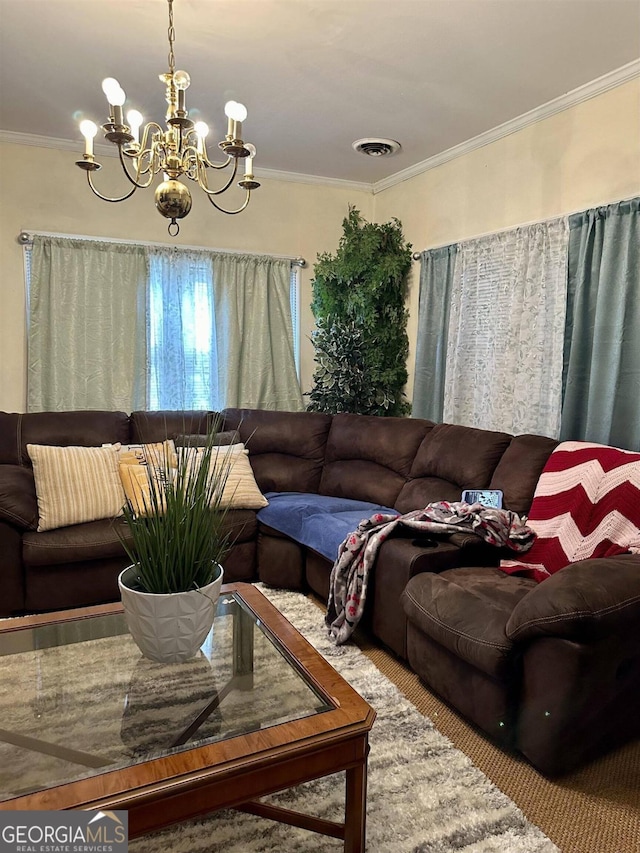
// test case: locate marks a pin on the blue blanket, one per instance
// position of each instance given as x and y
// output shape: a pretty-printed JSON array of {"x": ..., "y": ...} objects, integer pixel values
[{"x": 320, "y": 522}]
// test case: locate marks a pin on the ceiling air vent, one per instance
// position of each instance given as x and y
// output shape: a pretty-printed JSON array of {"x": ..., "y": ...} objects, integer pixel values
[{"x": 376, "y": 147}]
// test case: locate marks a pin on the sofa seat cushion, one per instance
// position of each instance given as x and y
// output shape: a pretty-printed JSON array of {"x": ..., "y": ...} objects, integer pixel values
[
  {"x": 466, "y": 611},
  {"x": 242, "y": 525},
  {"x": 93, "y": 540},
  {"x": 99, "y": 540},
  {"x": 320, "y": 522}
]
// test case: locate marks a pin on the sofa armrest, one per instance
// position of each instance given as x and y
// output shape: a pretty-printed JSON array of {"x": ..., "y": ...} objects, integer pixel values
[
  {"x": 18, "y": 504},
  {"x": 584, "y": 601}
]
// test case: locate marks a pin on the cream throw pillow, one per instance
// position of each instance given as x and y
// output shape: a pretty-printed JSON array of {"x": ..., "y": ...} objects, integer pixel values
[
  {"x": 240, "y": 490},
  {"x": 75, "y": 484}
]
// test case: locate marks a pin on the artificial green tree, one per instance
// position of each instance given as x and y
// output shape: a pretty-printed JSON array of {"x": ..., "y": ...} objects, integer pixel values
[{"x": 360, "y": 339}]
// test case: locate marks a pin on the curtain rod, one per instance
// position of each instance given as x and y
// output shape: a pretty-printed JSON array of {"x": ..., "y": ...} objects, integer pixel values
[
  {"x": 25, "y": 238},
  {"x": 418, "y": 255}
]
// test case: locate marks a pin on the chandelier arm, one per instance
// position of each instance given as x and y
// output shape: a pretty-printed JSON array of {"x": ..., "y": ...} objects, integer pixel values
[
  {"x": 202, "y": 183},
  {"x": 146, "y": 150},
  {"x": 211, "y": 165},
  {"x": 205, "y": 159},
  {"x": 134, "y": 181},
  {"x": 148, "y": 129},
  {"x": 231, "y": 212},
  {"x": 106, "y": 198}
]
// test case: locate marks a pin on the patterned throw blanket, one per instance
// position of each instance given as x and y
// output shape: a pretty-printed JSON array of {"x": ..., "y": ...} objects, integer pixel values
[
  {"x": 586, "y": 504},
  {"x": 357, "y": 554}
]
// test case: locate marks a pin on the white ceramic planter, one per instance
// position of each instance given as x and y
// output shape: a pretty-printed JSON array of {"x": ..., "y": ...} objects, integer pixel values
[{"x": 169, "y": 628}]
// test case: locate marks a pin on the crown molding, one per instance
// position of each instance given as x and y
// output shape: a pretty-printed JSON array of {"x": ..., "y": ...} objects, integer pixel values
[
  {"x": 583, "y": 93},
  {"x": 570, "y": 99},
  {"x": 12, "y": 138},
  {"x": 300, "y": 178}
]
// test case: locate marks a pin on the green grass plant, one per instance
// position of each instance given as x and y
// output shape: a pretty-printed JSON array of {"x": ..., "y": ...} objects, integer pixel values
[{"x": 177, "y": 542}]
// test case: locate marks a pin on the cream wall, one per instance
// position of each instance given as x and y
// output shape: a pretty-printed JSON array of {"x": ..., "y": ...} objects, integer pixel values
[
  {"x": 42, "y": 190},
  {"x": 583, "y": 157}
]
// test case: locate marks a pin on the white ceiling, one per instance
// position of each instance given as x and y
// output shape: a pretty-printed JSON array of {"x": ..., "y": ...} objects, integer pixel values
[{"x": 314, "y": 74}]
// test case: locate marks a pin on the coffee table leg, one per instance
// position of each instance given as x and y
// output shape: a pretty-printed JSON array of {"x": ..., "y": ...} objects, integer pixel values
[
  {"x": 355, "y": 810},
  {"x": 243, "y": 650}
]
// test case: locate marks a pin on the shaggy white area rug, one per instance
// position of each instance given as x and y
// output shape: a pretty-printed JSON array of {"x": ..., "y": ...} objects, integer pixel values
[{"x": 424, "y": 795}]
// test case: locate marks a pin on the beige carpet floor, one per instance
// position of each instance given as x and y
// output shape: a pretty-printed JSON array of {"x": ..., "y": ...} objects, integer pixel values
[{"x": 595, "y": 809}]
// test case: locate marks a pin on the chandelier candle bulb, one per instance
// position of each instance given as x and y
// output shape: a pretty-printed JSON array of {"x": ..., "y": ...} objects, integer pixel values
[
  {"x": 248, "y": 161},
  {"x": 135, "y": 120},
  {"x": 88, "y": 129},
  {"x": 236, "y": 113},
  {"x": 201, "y": 129},
  {"x": 111, "y": 87}
]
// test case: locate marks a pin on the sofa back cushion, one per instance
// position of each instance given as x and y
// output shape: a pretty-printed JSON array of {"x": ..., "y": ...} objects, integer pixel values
[
  {"x": 451, "y": 458},
  {"x": 149, "y": 427},
  {"x": 369, "y": 458},
  {"x": 286, "y": 449},
  {"x": 81, "y": 429},
  {"x": 519, "y": 470}
]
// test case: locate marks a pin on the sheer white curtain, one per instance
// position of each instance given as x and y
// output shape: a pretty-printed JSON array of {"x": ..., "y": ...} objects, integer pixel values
[
  {"x": 506, "y": 330},
  {"x": 182, "y": 367}
]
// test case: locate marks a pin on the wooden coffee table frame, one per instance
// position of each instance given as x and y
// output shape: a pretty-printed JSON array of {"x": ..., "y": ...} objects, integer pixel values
[{"x": 233, "y": 773}]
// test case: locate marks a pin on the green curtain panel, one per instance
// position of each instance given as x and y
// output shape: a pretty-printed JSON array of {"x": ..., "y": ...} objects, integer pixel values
[
  {"x": 256, "y": 364},
  {"x": 87, "y": 309},
  {"x": 602, "y": 341},
  {"x": 436, "y": 278}
]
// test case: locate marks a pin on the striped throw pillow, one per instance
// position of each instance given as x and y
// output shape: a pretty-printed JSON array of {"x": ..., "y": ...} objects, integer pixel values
[
  {"x": 75, "y": 484},
  {"x": 240, "y": 490}
]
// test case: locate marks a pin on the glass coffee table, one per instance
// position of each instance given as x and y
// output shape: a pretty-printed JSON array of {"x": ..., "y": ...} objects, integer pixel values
[{"x": 88, "y": 723}]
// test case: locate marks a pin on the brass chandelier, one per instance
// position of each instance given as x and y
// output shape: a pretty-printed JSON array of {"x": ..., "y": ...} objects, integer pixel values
[{"x": 179, "y": 150}]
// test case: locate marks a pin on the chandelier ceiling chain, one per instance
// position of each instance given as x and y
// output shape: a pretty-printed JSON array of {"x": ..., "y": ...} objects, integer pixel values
[
  {"x": 171, "y": 34},
  {"x": 179, "y": 151}
]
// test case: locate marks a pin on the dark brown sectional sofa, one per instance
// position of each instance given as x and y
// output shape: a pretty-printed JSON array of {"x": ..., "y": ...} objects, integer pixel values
[{"x": 551, "y": 669}]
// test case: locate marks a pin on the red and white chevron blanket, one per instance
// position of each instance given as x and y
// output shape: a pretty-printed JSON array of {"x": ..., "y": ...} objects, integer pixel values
[{"x": 586, "y": 504}]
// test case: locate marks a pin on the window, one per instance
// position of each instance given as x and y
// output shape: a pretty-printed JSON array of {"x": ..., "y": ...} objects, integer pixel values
[
  {"x": 129, "y": 326},
  {"x": 181, "y": 339}
]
